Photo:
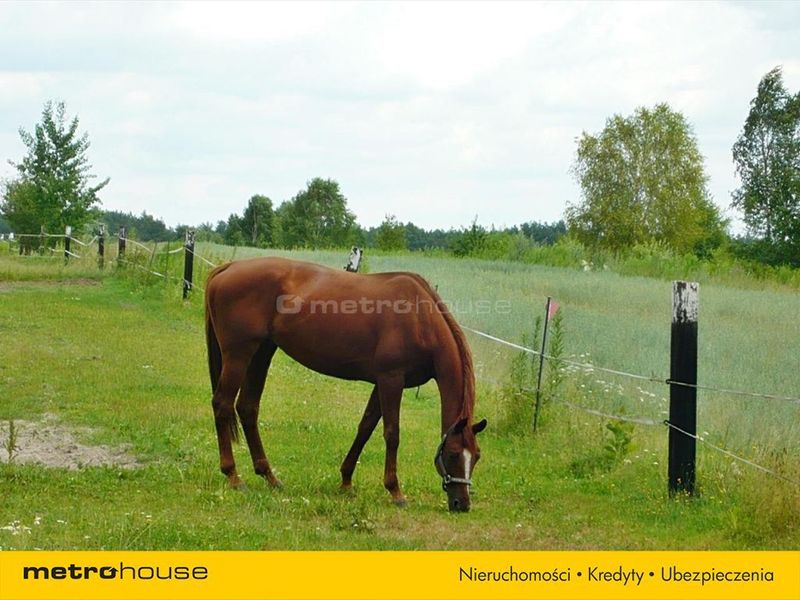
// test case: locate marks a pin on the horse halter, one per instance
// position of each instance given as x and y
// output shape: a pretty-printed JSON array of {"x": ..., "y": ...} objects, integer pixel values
[{"x": 438, "y": 460}]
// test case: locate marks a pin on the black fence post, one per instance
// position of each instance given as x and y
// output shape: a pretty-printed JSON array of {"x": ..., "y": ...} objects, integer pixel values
[
  {"x": 683, "y": 398},
  {"x": 101, "y": 247},
  {"x": 541, "y": 366},
  {"x": 67, "y": 242},
  {"x": 121, "y": 241},
  {"x": 188, "y": 262}
]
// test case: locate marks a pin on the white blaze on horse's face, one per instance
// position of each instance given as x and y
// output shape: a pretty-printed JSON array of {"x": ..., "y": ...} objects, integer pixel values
[{"x": 467, "y": 463}]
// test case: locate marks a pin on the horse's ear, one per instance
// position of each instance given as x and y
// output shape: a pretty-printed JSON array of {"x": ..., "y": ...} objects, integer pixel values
[
  {"x": 459, "y": 427},
  {"x": 478, "y": 427}
]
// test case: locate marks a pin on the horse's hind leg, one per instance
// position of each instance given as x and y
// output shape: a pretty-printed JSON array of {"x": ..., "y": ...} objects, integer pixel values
[
  {"x": 372, "y": 414},
  {"x": 248, "y": 405},
  {"x": 234, "y": 366}
]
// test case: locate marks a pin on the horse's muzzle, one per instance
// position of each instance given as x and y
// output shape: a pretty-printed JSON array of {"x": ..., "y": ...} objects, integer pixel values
[{"x": 458, "y": 504}]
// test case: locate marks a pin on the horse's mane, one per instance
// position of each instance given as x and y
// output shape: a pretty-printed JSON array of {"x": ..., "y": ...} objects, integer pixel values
[{"x": 468, "y": 384}]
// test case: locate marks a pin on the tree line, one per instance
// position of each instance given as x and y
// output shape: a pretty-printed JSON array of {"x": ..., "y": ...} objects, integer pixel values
[
  {"x": 642, "y": 178},
  {"x": 260, "y": 226}
]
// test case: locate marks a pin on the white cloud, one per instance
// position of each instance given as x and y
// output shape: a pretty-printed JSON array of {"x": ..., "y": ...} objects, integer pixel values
[
  {"x": 441, "y": 45},
  {"x": 253, "y": 22},
  {"x": 434, "y": 112}
]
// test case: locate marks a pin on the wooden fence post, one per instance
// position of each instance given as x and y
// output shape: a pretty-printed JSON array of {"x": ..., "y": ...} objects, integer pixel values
[
  {"x": 541, "y": 366},
  {"x": 188, "y": 262},
  {"x": 42, "y": 240},
  {"x": 67, "y": 240},
  {"x": 354, "y": 261},
  {"x": 121, "y": 241},
  {"x": 101, "y": 247},
  {"x": 683, "y": 398}
]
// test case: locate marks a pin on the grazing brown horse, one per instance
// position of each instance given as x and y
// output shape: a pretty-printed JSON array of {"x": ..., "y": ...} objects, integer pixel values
[{"x": 390, "y": 329}]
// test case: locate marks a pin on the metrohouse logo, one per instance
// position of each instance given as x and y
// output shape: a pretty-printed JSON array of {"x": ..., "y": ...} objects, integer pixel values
[{"x": 121, "y": 572}]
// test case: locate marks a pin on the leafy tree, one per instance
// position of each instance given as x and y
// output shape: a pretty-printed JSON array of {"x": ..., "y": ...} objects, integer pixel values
[
  {"x": 470, "y": 241},
  {"x": 391, "y": 234},
  {"x": 234, "y": 233},
  {"x": 545, "y": 234},
  {"x": 52, "y": 187},
  {"x": 4, "y": 226},
  {"x": 767, "y": 159},
  {"x": 317, "y": 217},
  {"x": 205, "y": 232},
  {"x": 643, "y": 180},
  {"x": 421, "y": 239},
  {"x": 258, "y": 221},
  {"x": 21, "y": 207},
  {"x": 144, "y": 227},
  {"x": 220, "y": 229},
  {"x": 364, "y": 237},
  {"x": 180, "y": 231}
]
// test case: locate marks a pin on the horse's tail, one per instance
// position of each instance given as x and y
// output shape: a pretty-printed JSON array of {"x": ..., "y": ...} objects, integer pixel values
[{"x": 215, "y": 353}]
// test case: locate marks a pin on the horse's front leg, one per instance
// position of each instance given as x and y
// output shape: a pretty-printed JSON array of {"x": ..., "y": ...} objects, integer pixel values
[
  {"x": 390, "y": 392},
  {"x": 372, "y": 414}
]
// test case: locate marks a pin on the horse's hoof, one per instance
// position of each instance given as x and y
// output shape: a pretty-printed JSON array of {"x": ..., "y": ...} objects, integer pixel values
[
  {"x": 400, "y": 502},
  {"x": 275, "y": 483},
  {"x": 239, "y": 486}
]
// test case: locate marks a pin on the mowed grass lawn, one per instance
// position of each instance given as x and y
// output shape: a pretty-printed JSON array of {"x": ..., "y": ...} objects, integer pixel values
[{"x": 129, "y": 362}]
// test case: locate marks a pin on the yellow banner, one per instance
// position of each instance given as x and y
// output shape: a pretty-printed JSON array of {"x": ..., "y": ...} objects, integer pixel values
[{"x": 398, "y": 575}]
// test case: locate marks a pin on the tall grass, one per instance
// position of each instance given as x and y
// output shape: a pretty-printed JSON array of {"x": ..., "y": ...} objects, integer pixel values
[
  {"x": 653, "y": 259},
  {"x": 749, "y": 339}
]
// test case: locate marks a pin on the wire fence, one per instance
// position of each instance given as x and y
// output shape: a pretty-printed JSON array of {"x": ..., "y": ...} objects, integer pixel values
[
  {"x": 641, "y": 420},
  {"x": 650, "y": 378}
]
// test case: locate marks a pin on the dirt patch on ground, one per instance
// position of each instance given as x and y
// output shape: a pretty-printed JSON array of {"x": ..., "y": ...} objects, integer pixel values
[
  {"x": 39, "y": 283},
  {"x": 51, "y": 444}
]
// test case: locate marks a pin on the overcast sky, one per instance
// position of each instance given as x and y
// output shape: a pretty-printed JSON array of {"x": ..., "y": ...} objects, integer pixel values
[{"x": 433, "y": 112}]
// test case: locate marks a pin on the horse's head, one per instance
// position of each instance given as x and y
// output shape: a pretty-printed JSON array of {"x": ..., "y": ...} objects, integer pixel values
[{"x": 455, "y": 460}]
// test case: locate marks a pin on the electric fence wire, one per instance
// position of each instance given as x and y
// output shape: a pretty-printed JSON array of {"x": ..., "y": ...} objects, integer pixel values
[
  {"x": 205, "y": 260},
  {"x": 77, "y": 241},
  {"x": 138, "y": 266},
  {"x": 135, "y": 243},
  {"x": 731, "y": 454},
  {"x": 645, "y": 420},
  {"x": 590, "y": 367}
]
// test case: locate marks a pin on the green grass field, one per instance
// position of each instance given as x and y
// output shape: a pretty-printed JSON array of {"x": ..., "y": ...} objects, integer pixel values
[{"x": 123, "y": 362}]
